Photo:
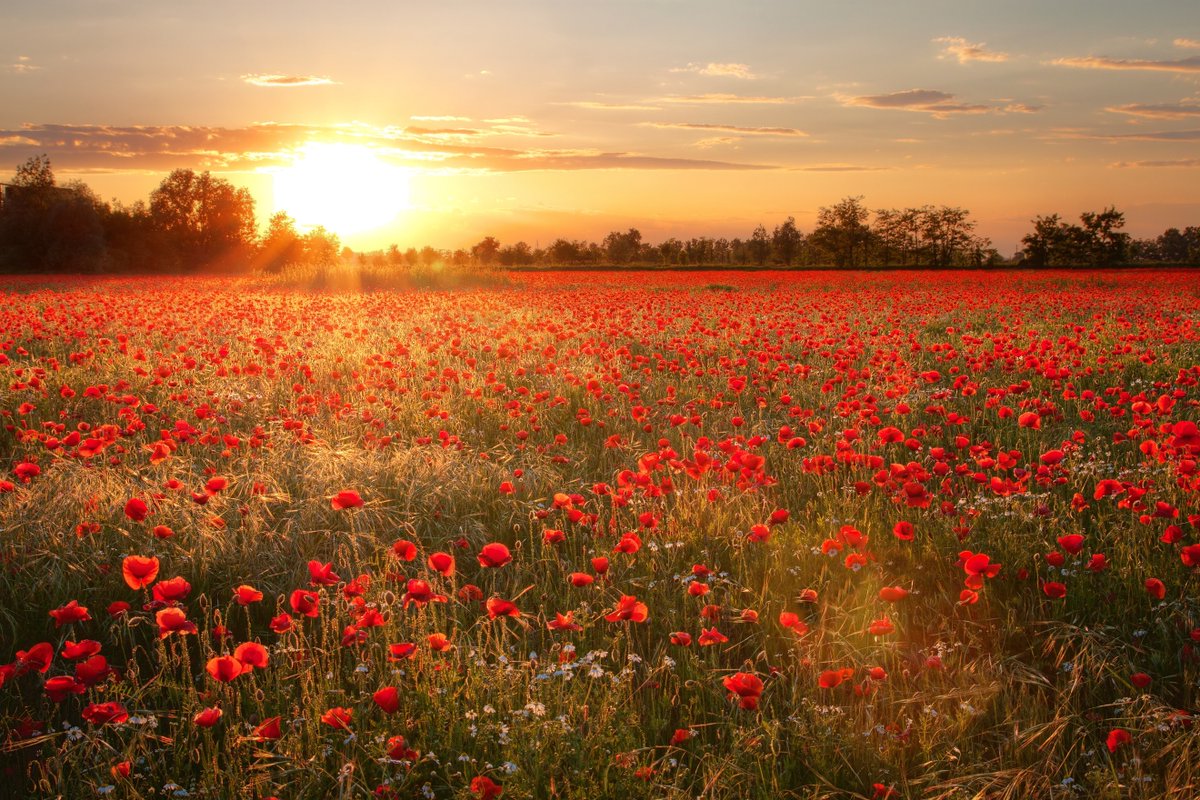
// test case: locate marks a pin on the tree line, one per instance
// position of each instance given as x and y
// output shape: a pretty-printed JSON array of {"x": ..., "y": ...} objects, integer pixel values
[{"x": 195, "y": 221}]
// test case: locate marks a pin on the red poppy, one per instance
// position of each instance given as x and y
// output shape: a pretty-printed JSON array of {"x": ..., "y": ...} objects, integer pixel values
[
  {"x": 267, "y": 730},
  {"x": 892, "y": 594},
  {"x": 628, "y": 608},
  {"x": 305, "y": 603},
  {"x": 347, "y": 498},
  {"x": 251, "y": 655},
  {"x": 746, "y": 686},
  {"x": 1117, "y": 738},
  {"x": 485, "y": 788},
  {"x": 245, "y": 595},
  {"x": 111, "y": 713},
  {"x": 439, "y": 642},
  {"x": 420, "y": 592},
  {"x": 207, "y": 717},
  {"x": 398, "y": 750},
  {"x": 139, "y": 571},
  {"x": 498, "y": 607},
  {"x": 322, "y": 574},
  {"x": 70, "y": 613},
  {"x": 224, "y": 668},
  {"x": 494, "y": 555},
  {"x": 173, "y": 620},
  {"x": 172, "y": 590},
  {"x": 388, "y": 699},
  {"x": 441, "y": 562},
  {"x": 338, "y": 718},
  {"x": 136, "y": 509},
  {"x": 1054, "y": 590}
]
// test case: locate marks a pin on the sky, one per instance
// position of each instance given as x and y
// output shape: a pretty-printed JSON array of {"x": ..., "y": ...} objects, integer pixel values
[{"x": 440, "y": 123}]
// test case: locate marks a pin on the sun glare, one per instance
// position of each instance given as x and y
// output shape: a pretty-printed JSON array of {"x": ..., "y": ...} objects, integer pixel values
[{"x": 346, "y": 188}]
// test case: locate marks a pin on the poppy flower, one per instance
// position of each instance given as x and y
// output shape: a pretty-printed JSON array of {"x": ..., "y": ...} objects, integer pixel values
[
  {"x": 245, "y": 595},
  {"x": 1054, "y": 590},
  {"x": 388, "y": 699},
  {"x": 267, "y": 730},
  {"x": 564, "y": 622},
  {"x": 347, "y": 498},
  {"x": 485, "y": 788},
  {"x": 173, "y": 620},
  {"x": 1156, "y": 588},
  {"x": 832, "y": 678},
  {"x": 207, "y": 717},
  {"x": 711, "y": 636},
  {"x": 111, "y": 713},
  {"x": 251, "y": 655},
  {"x": 1140, "y": 679},
  {"x": 404, "y": 550},
  {"x": 400, "y": 651},
  {"x": 494, "y": 555},
  {"x": 881, "y": 627},
  {"x": 224, "y": 668},
  {"x": 338, "y": 718},
  {"x": 628, "y": 608},
  {"x": 36, "y": 659},
  {"x": 499, "y": 607},
  {"x": 746, "y": 687},
  {"x": 136, "y": 509},
  {"x": 681, "y": 638},
  {"x": 441, "y": 562},
  {"x": 60, "y": 687},
  {"x": 305, "y": 603},
  {"x": 439, "y": 642},
  {"x": 322, "y": 574},
  {"x": 139, "y": 571},
  {"x": 74, "y": 651},
  {"x": 892, "y": 594},
  {"x": 1117, "y": 738},
  {"x": 420, "y": 592},
  {"x": 172, "y": 590},
  {"x": 70, "y": 613},
  {"x": 398, "y": 750}
]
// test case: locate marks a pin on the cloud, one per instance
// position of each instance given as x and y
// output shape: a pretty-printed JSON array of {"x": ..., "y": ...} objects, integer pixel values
[
  {"x": 1104, "y": 62},
  {"x": 22, "y": 66},
  {"x": 704, "y": 126},
  {"x": 1149, "y": 136},
  {"x": 720, "y": 98},
  {"x": 714, "y": 141},
  {"x": 438, "y": 118},
  {"x": 929, "y": 101},
  {"x": 596, "y": 105},
  {"x": 155, "y": 148},
  {"x": 1189, "y": 44},
  {"x": 1180, "y": 163},
  {"x": 838, "y": 168},
  {"x": 1022, "y": 108},
  {"x": 716, "y": 70},
  {"x": 287, "y": 81},
  {"x": 966, "y": 52},
  {"x": 1182, "y": 110}
]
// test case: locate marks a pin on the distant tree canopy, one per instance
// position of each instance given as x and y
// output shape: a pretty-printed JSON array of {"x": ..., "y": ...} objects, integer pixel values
[{"x": 198, "y": 221}]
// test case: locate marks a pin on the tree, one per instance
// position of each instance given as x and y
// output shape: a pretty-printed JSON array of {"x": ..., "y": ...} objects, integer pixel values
[
  {"x": 207, "y": 218},
  {"x": 281, "y": 245},
  {"x": 1104, "y": 244},
  {"x": 486, "y": 251},
  {"x": 786, "y": 241},
  {"x": 759, "y": 246},
  {"x": 842, "y": 232},
  {"x": 49, "y": 228},
  {"x": 623, "y": 248},
  {"x": 321, "y": 248}
]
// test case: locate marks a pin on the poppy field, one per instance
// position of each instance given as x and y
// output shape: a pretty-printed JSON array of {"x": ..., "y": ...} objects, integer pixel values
[{"x": 639, "y": 535}]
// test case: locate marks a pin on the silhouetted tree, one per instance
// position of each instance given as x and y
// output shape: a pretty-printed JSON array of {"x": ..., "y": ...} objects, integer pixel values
[
  {"x": 623, "y": 248},
  {"x": 786, "y": 241},
  {"x": 485, "y": 252},
  {"x": 842, "y": 232},
  {"x": 759, "y": 246},
  {"x": 207, "y": 218}
]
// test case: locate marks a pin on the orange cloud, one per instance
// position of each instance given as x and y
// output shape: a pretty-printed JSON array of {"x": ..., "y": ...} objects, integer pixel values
[
  {"x": 704, "y": 126},
  {"x": 715, "y": 70},
  {"x": 1104, "y": 62},
  {"x": 966, "y": 52},
  {"x": 1183, "y": 110},
  {"x": 929, "y": 101},
  {"x": 286, "y": 81}
]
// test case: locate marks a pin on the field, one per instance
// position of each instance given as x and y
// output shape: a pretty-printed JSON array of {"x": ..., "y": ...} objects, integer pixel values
[{"x": 675, "y": 535}]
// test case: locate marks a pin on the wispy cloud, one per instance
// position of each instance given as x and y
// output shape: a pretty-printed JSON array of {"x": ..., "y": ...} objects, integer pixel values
[
  {"x": 287, "y": 81},
  {"x": 1183, "y": 163},
  {"x": 438, "y": 118},
  {"x": 597, "y": 105},
  {"x": 738, "y": 129},
  {"x": 107, "y": 148},
  {"x": 928, "y": 101},
  {"x": 23, "y": 65},
  {"x": 720, "y": 70},
  {"x": 1182, "y": 110},
  {"x": 1191, "y": 64},
  {"x": 959, "y": 48},
  {"x": 838, "y": 168},
  {"x": 1146, "y": 136},
  {"x": 722, "y": 98},
  {"x": 1188, "y": 44}
]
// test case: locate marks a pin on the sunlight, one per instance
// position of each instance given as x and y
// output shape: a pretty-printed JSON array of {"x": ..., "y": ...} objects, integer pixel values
[{"x": 346, "y": 188}]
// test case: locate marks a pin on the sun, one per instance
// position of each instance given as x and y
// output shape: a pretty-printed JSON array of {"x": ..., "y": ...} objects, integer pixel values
[{"x": 347, "y": 188}]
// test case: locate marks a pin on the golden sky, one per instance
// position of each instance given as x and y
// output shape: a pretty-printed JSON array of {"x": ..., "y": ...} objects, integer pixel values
[{"x": 441, "y": 123}]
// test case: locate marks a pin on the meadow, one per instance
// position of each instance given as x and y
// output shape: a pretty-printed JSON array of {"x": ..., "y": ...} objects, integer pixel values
[{"x": 624, "y": 535}]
